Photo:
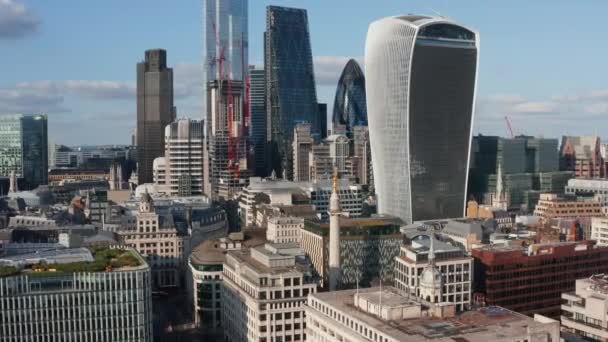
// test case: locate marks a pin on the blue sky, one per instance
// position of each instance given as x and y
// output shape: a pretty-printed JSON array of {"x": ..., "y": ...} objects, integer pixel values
[{"x": 543, "y": 63}]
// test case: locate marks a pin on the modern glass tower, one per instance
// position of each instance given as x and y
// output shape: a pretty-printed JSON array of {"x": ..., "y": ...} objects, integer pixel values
[
  {"x": 350, "y": 108},
  {"x": 257, "y": 107},
  {"x": 24, "y": 148},
  {"x": 421, "y": 76},
  {"x": 291, "y": 95}
]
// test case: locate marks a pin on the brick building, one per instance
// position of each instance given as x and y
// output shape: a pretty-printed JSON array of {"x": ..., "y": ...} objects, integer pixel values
[
  {"x": 531, "y": 279},
  {"x": 582, "y": 155}
]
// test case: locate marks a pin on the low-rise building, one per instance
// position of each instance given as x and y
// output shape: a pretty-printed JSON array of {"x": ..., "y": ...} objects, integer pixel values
[
  {"x": 157, "y": 238},
  {"x": 368, "y": 247},
  {"x": 552, "y": 206},
  {"x": 264, "y": 292},
  {"x": 580, "y": 186},
  {"x": 455, "y": 265},
  {"x": 284, "y": 229},
  {"x": 531, "y": 279},
  {"x": 79, "y": 294},
  {"x": 386, "y": 315},
  {"x": 599, "y": 230},
  {"x": 584, "y": 310}
]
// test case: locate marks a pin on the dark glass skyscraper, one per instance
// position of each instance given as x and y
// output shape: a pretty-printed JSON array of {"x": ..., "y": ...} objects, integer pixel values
[
  {"x": 350, "y": 108},
  {"x": 291, "y": 95},
  {"x": 155, "y": 110},
  {"x": 257, "y": 108},
  {"x": 420, "y": 80},
  {"x": 24, "y": 148}
]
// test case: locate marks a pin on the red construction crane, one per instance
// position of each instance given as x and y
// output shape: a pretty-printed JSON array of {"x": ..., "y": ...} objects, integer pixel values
[
  {"x": 509, "y": 126},
  {"x": 232, "y": 163}
]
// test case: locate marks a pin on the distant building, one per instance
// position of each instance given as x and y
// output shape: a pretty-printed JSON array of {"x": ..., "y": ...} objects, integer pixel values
[
  {"x": 291, "y": 95},
  {"x": 302, "y": 146},
  {"x": 183, "y": 158},
  {"x": 385, "y": 314},
  {"x": 599, "y": 230},
  {"x": 63, "y": 302},
  {"x": 581, "y": 187},
  {"x": 155, "y": 110},
  {"x": 420, "y": 81},
  {"x": 455, "y": 265},
  {"x": 88, "y": 156},
  {"x": 24, "y": 149},
  {"x": 583, "y": 309},
  {"x": 527, "y": 164},
  {"x": 350, "y": 106},
  {"x": 332, "y": 152},
  {"x": 552, "y": 206},
  {"x": 285, "y": 229},
  {"x": 362, "y": 156},
  {"x": 264, "y": 291},
  {"x": 259, "y": 120},
  {"x": 582, "y": 155},
  {"x": 368, "y": 247},
  {"x": 530, "y": 280}
]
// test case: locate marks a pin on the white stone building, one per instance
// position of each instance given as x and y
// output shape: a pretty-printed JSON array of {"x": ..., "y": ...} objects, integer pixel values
[
  {"x": 584, "y": 311},
  {"x": 454, "y": 266},
  {"x": 264, "y": 293},
  {"x": 283, "y": 229}
]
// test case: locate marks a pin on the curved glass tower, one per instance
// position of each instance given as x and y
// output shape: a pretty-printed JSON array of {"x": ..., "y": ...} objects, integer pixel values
[
  {"x": 421, "y": 76},
  {"x": 350, "y": 109}
]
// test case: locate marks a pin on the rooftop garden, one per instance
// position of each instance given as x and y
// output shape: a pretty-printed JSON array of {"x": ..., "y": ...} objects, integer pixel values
[{"x": 106, "y": 259}]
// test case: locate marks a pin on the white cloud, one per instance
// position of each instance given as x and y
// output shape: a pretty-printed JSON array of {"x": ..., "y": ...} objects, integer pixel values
[
  {"x": 16, "y": 21},
  {"x": 85, "y": 88},
  {"x": 534, "y": 107}
]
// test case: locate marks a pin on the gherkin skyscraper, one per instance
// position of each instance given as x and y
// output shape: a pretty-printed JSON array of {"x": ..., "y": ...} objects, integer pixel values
[{"x": 350, "y": 108}]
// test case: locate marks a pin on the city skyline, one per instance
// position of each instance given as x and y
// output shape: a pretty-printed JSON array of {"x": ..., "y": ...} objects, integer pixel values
[{"x": 516, "y": 77}]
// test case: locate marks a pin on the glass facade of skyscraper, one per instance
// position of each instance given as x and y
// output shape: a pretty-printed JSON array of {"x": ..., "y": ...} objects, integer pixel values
[
  {"x": 420, "y": 81},
  {"x": 350, "y": 107},
  {"x": 24, "y": 148},
  {"x": 291, "y": 95},
  {"x": 257, "y": 127}
]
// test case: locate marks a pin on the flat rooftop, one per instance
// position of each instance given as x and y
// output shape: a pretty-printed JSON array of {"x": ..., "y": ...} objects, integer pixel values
[
  {"x": 70, "y": 260},
  {"x": 210, "y": 252},
  {"x": 481, "y": 325}
]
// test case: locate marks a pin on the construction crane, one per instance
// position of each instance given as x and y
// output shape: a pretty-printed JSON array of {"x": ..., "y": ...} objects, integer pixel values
[
  {"x": 232, "y": 163},
  {"x": 509, "y": 127}
]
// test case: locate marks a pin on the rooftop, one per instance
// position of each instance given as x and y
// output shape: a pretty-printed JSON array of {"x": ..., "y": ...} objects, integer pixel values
[
  {"x": 375, "y": 225},
  {"x": 70, "y": 260},
  {"x": 213, "y": 252},
  {"x": 480, "y": 325}
]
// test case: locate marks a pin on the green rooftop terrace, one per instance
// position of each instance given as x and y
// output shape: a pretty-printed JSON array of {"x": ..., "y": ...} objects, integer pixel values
[{"x": 104, "y": 259}]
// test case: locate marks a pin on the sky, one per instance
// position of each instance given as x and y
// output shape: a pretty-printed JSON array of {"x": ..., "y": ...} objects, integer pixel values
[{"x": 542, "y": 63}]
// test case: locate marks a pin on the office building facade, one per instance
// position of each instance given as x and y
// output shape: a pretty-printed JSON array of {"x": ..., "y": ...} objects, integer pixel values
[
  {"x": 301, "y": 148},
  {"x": 24, "y": 149},
  {"x": 184, "y": 158},
  {"x": 530, "y": 280},
  {"x": 111, "y": 304},
  {"x": 291, "y": 95},
  {"x": 582, "y": 154},
  {"x": 264, "y": 291},
  {"x": 350, "y": 107},
  {"x": 420, "y": 80},
  {"x": 155, "y": 110},
  {"x": 257, "y": 127},
  {"x": 583, "y": 309}
]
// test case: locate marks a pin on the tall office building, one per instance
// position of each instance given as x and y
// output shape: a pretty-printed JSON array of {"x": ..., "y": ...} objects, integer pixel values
[
  {"x": 155, "y": 110},
  {"x": 226, "y": 67},
  {"x": 291, "y": 95},
  {"x": 183, "y": 157},
  {"x": 350, "y": 108},
  {"x": 257, "y": 128},
  {"x": 24, "y": 149},
  {"x": 420, "y": 82}
]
